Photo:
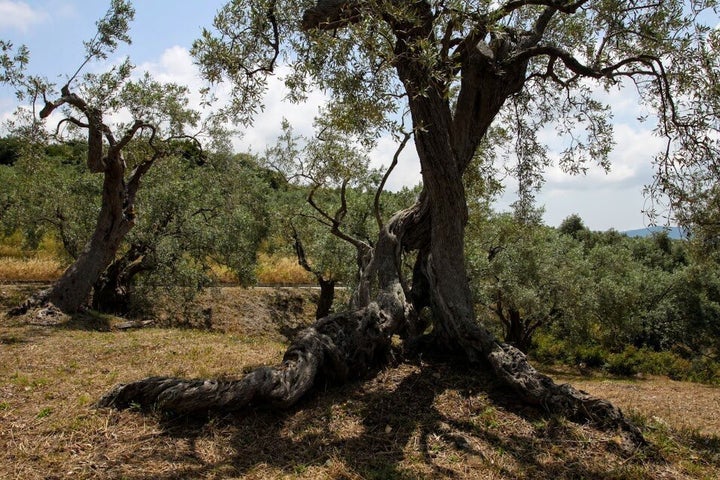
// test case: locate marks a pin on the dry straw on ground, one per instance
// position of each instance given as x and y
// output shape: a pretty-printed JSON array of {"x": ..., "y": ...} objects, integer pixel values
[
  {"x": 29, "y": 269},
  {"x": 426, "y": 420}
]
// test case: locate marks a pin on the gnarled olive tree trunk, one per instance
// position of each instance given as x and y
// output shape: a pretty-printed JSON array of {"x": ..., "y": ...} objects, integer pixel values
[
  {"x": 344, "y": 345},
  {"x": 114, "y": 221},
  {"x": 117, "y": 214},
  {"x": 112, "y": 291}
]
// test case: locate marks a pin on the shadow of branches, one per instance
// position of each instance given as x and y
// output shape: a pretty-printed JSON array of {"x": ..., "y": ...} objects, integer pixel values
[{"x": 433, "y": 421}]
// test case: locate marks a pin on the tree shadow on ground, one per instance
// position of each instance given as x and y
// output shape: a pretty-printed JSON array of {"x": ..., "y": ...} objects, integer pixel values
[{"x": 408, "y": 422}]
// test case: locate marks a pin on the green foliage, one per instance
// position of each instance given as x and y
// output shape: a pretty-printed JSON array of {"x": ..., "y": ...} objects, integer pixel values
[
  {"x": 648, "y": 308},
  {"x": 35, "y": 183},
  {"x": 528, "y": 276},
  {"x": 572, "y": 226},
  {"x": 9, "y": 150},
  {"x": 209, "y": 212},
  {"x": 599, "y": 299}
]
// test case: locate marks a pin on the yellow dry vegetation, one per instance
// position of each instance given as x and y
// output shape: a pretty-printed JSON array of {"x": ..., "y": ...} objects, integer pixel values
[
  {"x": 33, "y": 269},
  {"x": 280, "y": 270}
]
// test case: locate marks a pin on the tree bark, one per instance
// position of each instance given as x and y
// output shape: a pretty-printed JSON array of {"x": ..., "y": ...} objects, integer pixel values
[
  {"x": 111, "y": 292},
  {"x": 114, "y": 221},
  {"x": 327, "y": 297},
  {"x": 337, "y": 348}
]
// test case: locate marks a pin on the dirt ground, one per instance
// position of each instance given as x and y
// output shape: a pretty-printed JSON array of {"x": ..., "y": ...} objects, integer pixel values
[{"x": 427, "y": 419}]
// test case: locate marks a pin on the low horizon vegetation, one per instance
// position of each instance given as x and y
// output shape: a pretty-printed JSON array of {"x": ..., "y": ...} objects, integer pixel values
[{"x": 569, "y": 339}]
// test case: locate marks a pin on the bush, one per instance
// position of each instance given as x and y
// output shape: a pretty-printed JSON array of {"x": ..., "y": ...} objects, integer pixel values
[
  {"x": 548, "y": 349},
  {"x": 624, "y": 363},
  {"x": 593, "y": 356},
  {"x": 631, "y": 360}
]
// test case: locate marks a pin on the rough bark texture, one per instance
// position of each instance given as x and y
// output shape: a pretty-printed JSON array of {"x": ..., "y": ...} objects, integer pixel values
[
  {"x": 337, "y": 348},
  {"x": 344, "y": 346},
  {"x": 111, "y": 292},
  {"x": 73, "y": 288}
]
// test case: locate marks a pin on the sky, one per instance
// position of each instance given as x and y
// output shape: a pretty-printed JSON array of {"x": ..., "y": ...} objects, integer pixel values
[{"x": 163, "y": 32}]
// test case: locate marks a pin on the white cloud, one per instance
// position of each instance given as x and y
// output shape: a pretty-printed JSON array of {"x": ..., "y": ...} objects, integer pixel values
[
  {"x": 630, "y": 162},
  {"x": 19, "y": 16},
  {"x": 176, "y": 65}
]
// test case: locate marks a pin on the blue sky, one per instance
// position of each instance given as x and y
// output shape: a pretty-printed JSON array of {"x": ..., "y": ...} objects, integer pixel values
[{"x": 164, "y": 30}]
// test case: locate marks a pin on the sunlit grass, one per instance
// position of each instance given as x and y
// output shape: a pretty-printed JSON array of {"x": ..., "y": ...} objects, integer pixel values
[
  {"x": 18, "y": 263},
  {"x": 29, "y": 269},
  {"x": 279, "y": 270}
]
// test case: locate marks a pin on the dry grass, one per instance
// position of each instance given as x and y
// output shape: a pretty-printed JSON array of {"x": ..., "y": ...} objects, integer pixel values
[
  {"x": 17, "y": 264},
  {"x": 410, "y": 421},
  {"x": 278, "y": 270},
  {"x": 34, "y": 269}
]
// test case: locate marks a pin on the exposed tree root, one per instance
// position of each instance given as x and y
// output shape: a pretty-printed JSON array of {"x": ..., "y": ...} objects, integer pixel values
[
  {"x": 337, "y": 348},
  {"x": 37, "y": 300},
  {"x": 512, "y": 367},
  {"x": 344, "y": 346}
]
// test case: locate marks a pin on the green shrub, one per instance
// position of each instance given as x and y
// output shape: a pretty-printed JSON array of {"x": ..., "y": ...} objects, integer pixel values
[
  {"x": 593, "y": 356},
  {"x": 548, "y": 349},
  {"x": 624, "y": 363}
]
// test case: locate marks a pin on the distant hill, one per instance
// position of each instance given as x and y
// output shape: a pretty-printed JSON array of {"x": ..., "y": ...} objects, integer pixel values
[{"x": 673, "y": 232}]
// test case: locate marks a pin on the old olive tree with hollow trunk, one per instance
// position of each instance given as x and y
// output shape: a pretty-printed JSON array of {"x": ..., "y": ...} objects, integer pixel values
[
  {"x": 122, "y": 151},
  {"x": 457, "y": 70}
]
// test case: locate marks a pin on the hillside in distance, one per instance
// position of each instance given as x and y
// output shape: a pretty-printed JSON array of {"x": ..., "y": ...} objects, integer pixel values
[{"x": 675, "y": 233}]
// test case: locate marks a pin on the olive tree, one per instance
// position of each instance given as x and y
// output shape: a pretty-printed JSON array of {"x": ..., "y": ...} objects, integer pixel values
[
  {"x": 341, "y": 209},
  {"x": 458, "y": 69},
  {"x": 121, "y": 151},
  {"x": 197, "y": 213}
]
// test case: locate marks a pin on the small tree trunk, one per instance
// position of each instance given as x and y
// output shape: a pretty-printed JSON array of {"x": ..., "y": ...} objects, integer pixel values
[
  {"x": 327, "y": 297},
  {"x": 516, "y": 334},
  {"x": 327, "y": 286},
  {"x": 111, "y": 292}
]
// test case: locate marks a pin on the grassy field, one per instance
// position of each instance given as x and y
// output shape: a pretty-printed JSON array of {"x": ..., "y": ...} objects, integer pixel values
[{"x": 410, "y": 421}]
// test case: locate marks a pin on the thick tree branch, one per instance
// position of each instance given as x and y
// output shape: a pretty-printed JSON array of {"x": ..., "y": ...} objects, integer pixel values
[{"x": 513, "y": 5}]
